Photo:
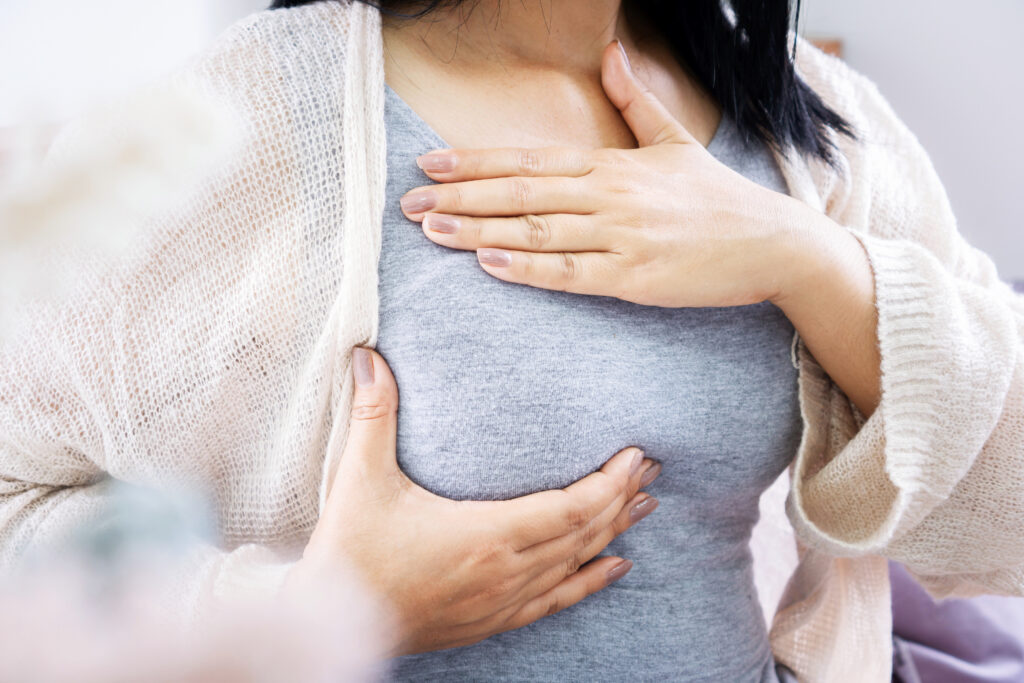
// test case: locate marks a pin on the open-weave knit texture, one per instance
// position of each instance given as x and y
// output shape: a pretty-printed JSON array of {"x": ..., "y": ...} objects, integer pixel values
[{"x": 217, "y": 355}]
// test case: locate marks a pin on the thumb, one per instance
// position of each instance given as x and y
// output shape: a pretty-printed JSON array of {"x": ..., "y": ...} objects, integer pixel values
[
  {"x": 650, "y": 121},
  {"x": 370, "y": 447}
]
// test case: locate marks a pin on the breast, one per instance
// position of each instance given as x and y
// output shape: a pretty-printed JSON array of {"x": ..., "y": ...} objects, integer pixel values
[{"x": 507, "y": 390}]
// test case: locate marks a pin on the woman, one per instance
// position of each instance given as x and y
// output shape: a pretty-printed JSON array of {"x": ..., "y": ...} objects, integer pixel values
[{"x": 233, "y": 344}]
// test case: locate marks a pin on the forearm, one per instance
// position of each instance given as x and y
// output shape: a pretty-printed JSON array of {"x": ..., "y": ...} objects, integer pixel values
[{"x": 828, "y": 294}]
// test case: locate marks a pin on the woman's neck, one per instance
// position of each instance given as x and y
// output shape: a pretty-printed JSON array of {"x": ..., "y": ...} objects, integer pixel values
[
  {"x": 475, "y": 36},
  {"x": 532, "y": 66}
]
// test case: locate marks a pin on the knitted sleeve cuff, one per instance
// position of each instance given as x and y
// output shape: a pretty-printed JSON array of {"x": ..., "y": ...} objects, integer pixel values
[{"x": 947, "y": 355}]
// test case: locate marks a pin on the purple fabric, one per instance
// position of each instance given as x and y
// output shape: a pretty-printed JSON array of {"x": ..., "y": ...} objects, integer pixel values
[{"x": 955, "y": 641}]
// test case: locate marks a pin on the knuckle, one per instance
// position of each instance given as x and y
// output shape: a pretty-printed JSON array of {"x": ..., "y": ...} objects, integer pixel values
[
  {"x": 577, "y": 516},
  {"x": 476, "y": 231},
  {"x": 528, "y": 162},
  {"x": 570, "y": 268},
  {"x": 371, "y": 410},
  {"x": 588, "y": 535},
  {"x": 456, "y": 198},
  {"x": 520, "y": 193},
  {"x": 530, "y": 271},
  {"x": 538, "y": 230},
  {"x": 554, "y": 605},
  {"x": 572, "y": 564}
]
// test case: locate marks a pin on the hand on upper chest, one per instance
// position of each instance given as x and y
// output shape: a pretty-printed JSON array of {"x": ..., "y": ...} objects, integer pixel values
[{"x": 665, "y": 224}]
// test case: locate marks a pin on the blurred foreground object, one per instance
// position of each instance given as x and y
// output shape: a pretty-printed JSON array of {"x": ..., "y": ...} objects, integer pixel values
[
  {"x": 130, "y": 160},
  {"x": 96, "y": 612},
  {"x": 110, "y": 603}
]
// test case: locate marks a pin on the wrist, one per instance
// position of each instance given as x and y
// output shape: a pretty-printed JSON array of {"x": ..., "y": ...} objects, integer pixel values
[{"x": 810, "y": 252}]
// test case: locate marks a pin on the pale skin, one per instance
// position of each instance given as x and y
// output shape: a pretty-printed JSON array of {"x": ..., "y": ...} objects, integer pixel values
[{"x": 574, "y": 168}]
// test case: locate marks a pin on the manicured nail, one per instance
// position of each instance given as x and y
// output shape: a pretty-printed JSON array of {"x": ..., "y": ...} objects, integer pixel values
[
  {"x": 362, "y": 366},
  {"x": 619, "y": 570},
  {"x": 634, "y": 464},
  {"x": 624, "y": 55},
  {"x": 439, "y": 222},
  {"x": 418, "y": 202},
  {"x": 651, "y": 474},
  {"x": 436, "y": 163},
  {"x": 642, "y": 509},
  {"x": 494, "y": 257}
]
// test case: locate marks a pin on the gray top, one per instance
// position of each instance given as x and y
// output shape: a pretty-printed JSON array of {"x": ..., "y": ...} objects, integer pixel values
[{"x": 507, "y": 389}]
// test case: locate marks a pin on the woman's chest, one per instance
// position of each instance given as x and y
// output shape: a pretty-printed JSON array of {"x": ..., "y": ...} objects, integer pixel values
[{"x": 506, "y": 389}]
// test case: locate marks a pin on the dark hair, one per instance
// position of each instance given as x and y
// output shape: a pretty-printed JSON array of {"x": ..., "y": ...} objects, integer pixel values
[{"x": 739, "y": 50}]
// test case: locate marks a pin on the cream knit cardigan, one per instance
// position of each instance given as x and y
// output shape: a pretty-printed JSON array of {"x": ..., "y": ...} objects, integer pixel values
[{"x": 218, "y": 355}]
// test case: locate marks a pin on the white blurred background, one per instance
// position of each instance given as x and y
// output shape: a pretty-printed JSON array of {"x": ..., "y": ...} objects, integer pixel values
[{"x": 952, "y": 70}]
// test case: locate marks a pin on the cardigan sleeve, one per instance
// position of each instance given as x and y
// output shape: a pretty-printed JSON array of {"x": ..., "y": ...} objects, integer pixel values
[
  {"x": 199, "y": 358},
  {"x": 80, "y": 423},
  {"x": 935, "y": 478}
]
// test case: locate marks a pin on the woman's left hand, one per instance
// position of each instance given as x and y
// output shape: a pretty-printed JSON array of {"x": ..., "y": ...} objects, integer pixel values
[{"x": 665, "y": 224}]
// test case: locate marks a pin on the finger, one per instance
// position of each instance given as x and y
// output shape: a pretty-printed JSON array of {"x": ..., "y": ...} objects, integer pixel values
[
  {"x": 590, "y": 579},
  {"x": 559, "y": 558},
  {"x": 450, "y": 165},
  {"x": 647, "y": 117},
  {"x": 498, "y": 197},
  {"x": 538, "y": 517},
  {"x": 370, "y": 448},
  {"x": 532, "y": 232},
  {"x": 584, "y": 542},
  {"x": 581, "y": 272}
]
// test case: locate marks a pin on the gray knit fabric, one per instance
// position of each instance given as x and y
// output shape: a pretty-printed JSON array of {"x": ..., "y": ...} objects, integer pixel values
[{"x": 507, "y": 389}]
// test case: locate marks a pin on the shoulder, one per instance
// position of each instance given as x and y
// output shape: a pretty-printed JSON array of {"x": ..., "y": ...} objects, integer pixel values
[
  {"x": 885, "y": 182},
  {"x": 287, "y": 42},
  {"x": 293, "y": 28}
]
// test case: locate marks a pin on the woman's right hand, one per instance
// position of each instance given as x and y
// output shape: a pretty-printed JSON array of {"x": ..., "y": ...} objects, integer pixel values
[{"x": 457, "y": 572}]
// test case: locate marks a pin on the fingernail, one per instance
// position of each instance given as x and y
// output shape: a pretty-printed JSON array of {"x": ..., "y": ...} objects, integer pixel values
[
  {"x": 651, "y": 474},
  {"x": 642, "y": 509},
  {"x": 436, "y": 163},
  {"x": 624, "y": 55},
  {"x": 634, "y": 464},
  {"x": 619, "y": 570},
  {"x": 362, "y": 366},
  {"x": 439, "y": 222},
  {"x": 494, "y": 257},
  {"x": 418, "y": 202}
]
